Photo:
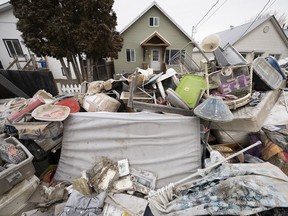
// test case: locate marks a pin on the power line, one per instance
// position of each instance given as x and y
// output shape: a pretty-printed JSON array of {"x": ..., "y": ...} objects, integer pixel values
[
  {"x": 214, "y": 13},
  {"x": 207, "y": 13},
  {"x": 269, "y": 6},
  {"x": 255, "y": 19}
]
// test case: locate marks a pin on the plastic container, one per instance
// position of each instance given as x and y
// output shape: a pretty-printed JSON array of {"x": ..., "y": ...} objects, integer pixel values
[
  {"x": 229, "y": 56},
  {"x": 273, "y": 61},
  {"x": 233, "y": 56},
  {"x": 18, "y": 172},
  {"x": 191, "y": 87},
  {"x": 267, "y": 73},
  {"x": 16, "y": 199}
]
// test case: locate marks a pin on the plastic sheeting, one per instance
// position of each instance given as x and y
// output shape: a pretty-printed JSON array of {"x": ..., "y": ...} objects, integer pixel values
[{"x": 167, "y": 145}]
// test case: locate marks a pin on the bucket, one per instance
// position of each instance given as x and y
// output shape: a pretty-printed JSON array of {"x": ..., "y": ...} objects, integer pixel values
[{"x": 100, "y": 102}]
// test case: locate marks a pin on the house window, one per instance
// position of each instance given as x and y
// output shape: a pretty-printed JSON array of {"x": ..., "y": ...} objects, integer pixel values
[
  {"x": 173, "y": 56},
  {"x": 244, "y": 54},
  {"x": 13, "y": 47},
  {"x": 130, "y": 55},
  {"x": 277, "y": 56},
  {"x": 154, "y": 21},
  {"x": 257, "y": 54}
]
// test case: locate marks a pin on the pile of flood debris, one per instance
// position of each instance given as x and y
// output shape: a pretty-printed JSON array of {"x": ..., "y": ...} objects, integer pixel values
[{"x": 125, "y": 152}]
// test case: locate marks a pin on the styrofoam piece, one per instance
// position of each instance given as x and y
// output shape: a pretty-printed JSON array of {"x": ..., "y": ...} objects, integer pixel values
[
  {"x": 14, "y": 200},
  {"x": 16, "y": 173}
]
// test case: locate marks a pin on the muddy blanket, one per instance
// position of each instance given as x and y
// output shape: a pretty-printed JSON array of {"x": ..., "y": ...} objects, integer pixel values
[{"x": 230, "y": 189}]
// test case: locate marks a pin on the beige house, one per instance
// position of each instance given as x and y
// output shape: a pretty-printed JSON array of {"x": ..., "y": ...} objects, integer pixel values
[
  {"x": 151, "y": 40},
  {"x": 264, "y": 38}
]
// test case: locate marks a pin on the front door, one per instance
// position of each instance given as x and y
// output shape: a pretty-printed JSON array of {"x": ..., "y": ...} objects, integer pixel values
[{"x": 155, "y": 61}]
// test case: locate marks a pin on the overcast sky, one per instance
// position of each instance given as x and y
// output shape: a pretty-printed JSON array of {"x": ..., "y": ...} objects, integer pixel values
[{"x": 188, "y": 13}]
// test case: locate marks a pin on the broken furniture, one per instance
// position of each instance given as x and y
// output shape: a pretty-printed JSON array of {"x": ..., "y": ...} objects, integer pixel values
[
  {"x": 250, "y": 118},
  {"x": 233, "y": 81},
  {"x": 154, "y": 107}
]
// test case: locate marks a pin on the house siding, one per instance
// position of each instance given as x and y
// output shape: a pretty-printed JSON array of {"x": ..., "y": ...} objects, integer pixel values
[
  {"x": 267, "y": 43},
  {"x": 8, "y": 23},
  {"x": 140, "y": 30},
  {"x": 257, "y": 41}
]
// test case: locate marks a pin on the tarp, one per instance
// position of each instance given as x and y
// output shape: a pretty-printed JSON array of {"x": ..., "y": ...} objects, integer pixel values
[{"x": 167, "y": 145}]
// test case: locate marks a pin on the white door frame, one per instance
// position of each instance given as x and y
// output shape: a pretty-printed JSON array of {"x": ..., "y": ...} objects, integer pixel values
[{"x": 155, "y": 60}]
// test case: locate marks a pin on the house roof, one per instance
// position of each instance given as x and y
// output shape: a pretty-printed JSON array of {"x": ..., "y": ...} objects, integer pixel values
[
  {"x": 5, "y": 6},
  {"x": 147, "y": 9},
  {"x": 234, "y": 34},
  {"x": 155, "y": 35},
  {"x": 286, "y": 32}
]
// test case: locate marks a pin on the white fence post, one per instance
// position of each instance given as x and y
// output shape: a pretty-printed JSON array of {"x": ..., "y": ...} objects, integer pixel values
[{"x": 71, "y": 88}]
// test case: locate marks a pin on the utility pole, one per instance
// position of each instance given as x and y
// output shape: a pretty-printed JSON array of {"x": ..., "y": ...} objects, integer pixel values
[{"x": 193, "y": 31}]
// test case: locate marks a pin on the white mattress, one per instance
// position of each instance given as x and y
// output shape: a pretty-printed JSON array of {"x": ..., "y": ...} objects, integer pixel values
[
  {"x": 167, "y": 145},
  {"x": 250, "y": 118}
]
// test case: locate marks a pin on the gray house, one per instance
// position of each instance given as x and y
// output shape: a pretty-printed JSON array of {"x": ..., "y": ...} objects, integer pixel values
[
  {"x": 151, "y": 40},
  {"x": 264, "y": 38}
]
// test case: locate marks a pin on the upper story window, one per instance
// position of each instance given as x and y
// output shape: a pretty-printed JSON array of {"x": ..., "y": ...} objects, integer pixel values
[
  {"x": 130, "y": 55},
  {"x": 153, "y": 21},
  {"x": 13, "y": 47}
]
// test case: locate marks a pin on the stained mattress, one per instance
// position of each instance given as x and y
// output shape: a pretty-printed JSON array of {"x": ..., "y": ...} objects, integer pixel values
[{"x": 167, "y": 145}]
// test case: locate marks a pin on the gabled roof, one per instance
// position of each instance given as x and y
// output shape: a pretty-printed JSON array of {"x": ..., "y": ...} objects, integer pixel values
[
  {"x": 286, "y": 32},
  {"x": 155, "y": 37},
  {"x": 234, "y": 34},
  {"x": 5, "y": 6},
  {"x": 147, "y": 9}
]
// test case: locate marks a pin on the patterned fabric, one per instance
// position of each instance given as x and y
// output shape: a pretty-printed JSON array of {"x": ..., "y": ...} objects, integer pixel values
[
  {"x": 10, "y": 154},
  {"x": 233, "y": 189}
]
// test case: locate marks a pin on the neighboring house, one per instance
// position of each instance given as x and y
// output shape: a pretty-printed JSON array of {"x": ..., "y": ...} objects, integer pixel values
[
  {"x": 11, "y": 44},
  {"x": 151, "y": 40},
  {"x": 286, "y": 31},
  {"x": 264, "y": 37}
]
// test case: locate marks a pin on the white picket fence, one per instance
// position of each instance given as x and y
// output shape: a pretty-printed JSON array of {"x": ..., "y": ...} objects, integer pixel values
[{"x": 70, "y": 88}]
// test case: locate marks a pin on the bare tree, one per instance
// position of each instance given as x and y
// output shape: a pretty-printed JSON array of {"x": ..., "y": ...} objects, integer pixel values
[{"x": 281, "y": 18}]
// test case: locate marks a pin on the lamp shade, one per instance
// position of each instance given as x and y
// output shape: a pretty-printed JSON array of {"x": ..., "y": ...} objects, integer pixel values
[{"x": 214, "y": 109}]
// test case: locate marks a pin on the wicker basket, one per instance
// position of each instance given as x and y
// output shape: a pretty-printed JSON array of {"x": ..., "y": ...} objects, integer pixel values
[{"x": 279, "y": 163}]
